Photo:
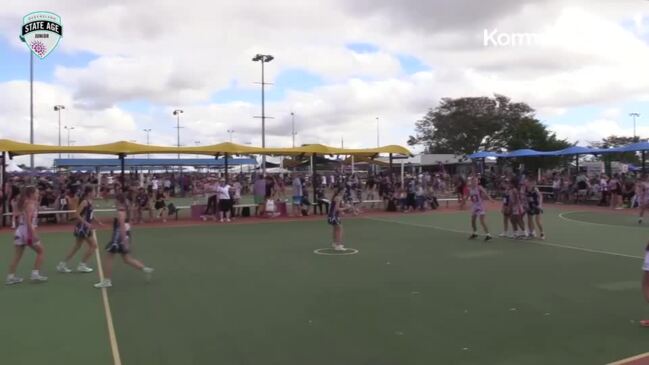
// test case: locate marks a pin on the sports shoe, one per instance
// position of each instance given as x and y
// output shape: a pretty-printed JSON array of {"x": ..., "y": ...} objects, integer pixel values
[
  {"x": 504, "y": 234},
  {"x": 13, "y": 280},
  {"x": 542, "y": 237},
  {"x": 83, "y": 268},
  {"x": 38, "y": 278},
  {"x": 644, "y": 323},
  {"x": 488, "y": 238},
  {"x": 339, "y": 248},
  {"x": 221, "y": 220},
  {"x": 148, "y": 272},
  {"x": 63, "y": 268},
  {"x": 228, "y": 220},
  {"x": 640, "y": 221},
  {"x": 473, "y": 236},
  {"x": 106, "y": 283}
]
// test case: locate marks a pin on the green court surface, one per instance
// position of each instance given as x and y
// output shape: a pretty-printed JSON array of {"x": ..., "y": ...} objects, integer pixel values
[{"x": 417, "y": 292}]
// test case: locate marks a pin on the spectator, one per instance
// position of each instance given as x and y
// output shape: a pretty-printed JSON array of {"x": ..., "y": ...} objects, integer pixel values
[
  {"x": 225, "y": 203},
  {"x": 260, "y": 194},
  {"x": 297, "y": 195}
]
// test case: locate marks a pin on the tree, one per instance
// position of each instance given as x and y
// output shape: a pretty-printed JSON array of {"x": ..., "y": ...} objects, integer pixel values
[
  {"x": 466, "y": 125},
  {"x": 616, "y": 141}
]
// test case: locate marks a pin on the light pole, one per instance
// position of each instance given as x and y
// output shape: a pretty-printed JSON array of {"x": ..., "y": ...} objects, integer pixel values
[
  {"x": 231, "y": 132},
  {"x": 58, "y": 108},
  {"x": 177, "y": 113},
  {"x": 634, "y": 115},
  {"x": 69, "y": 129},
  {"x": 31, "y": 101},
  {"x": 147, "y": 131},
  {"x": 293, "y": 132},
  {"x": 377, "y": 132},
  {"x": 197, "y": 143},
  {"x": 263, "y": 59}
]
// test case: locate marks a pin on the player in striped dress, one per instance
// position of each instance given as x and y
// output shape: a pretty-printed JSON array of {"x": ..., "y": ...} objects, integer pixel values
[
  {"x": 120, "y": 243},
  {"x": 506, "y": 210},
  {"x": 645, "y": 282},
  {"x": 477, "y": 195},
  {"x": 517, "y": 208},
  {"x": 84, "y": 232},
  {"x": 26, "y": 236},
  {"x": 534, "y": 208}
]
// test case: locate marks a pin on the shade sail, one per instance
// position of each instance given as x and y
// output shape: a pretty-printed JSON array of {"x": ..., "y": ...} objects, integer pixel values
[
  {"x": 129, "y": 148},
  {"x": 570, "y": 151},
  {"x": 158, "y": 162}
]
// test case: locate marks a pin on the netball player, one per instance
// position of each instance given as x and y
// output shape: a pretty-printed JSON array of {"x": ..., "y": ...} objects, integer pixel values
[
  {"x": 336, "y": 209},
  {"x": 642, "y": 196},
  {"x": 26, "y": 236},
  {"x": 533, "y": 208},
  {"x": 120, "y": 244},
  {"x": 506, "y": 210},
  {"x": 517, "y": 208},
  {"x": 477, "y": 195},
  {"x": 645, "y": 282},
  {"x": 83, "y": 231}
]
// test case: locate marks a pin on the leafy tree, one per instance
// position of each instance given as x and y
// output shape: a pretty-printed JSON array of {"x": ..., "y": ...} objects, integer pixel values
[
  {"x": 466, "y": 125},
  {"x": 617, "y": 141}
]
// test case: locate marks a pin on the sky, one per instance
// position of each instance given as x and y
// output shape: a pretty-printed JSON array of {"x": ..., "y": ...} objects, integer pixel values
[{"x": 124, "y": 66}]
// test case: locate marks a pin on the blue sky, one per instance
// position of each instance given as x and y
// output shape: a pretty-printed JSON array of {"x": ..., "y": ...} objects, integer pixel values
[{"x": 16, "y": 67}]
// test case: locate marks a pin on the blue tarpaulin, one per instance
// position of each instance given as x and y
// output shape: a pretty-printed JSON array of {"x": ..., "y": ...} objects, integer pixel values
[{"x": 570, "y": 151}]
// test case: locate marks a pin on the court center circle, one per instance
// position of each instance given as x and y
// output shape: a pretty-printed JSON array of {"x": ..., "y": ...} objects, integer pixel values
[{"x": 331, "y": 252}]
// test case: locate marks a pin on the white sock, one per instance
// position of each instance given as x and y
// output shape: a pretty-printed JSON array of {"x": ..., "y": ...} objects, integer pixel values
[{"x": 11, "y": 276}]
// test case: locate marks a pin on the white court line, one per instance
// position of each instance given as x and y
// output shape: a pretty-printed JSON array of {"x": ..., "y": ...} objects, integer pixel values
[
  {"x": 562, "y": 216},
  {"x": 631, "y": 359},
  {"x": 542, "y": 243},
  {"x": 109, "y": 317}
]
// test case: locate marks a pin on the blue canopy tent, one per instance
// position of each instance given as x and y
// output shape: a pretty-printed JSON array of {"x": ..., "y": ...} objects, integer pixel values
[{"x": 570, "y": 151}]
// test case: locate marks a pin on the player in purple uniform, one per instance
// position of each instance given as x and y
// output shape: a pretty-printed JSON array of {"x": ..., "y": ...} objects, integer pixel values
[
  {"x": 336, "y": 209},
  {"x": 84, "y": 232},
  {"x": 477, "y": 196},
  {"x": 120, "y": 244}
]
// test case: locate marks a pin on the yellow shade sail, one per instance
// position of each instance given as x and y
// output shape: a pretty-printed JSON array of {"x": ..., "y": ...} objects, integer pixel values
[{"x": 130, "y": 148}]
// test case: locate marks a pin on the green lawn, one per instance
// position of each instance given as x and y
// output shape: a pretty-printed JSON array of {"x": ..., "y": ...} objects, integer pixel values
[{"x": 418, "y": 292}]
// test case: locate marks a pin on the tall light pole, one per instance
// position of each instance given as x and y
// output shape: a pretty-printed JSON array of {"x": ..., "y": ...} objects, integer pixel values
[
  {"x": 634, "y": 115},
  {"x": 31, "y": 101},
  {"x": 378, "y": 144},
  {"x": 293, "y": 132},
  {"x": 263, "y": 59},
  {"x": 147, "y": 131},
  {"x": 69, "y": 129},
  {"x": 58, "y": 108},
  {"x": 177, "y": 113},
  {"x": 231, "y": 132}
]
